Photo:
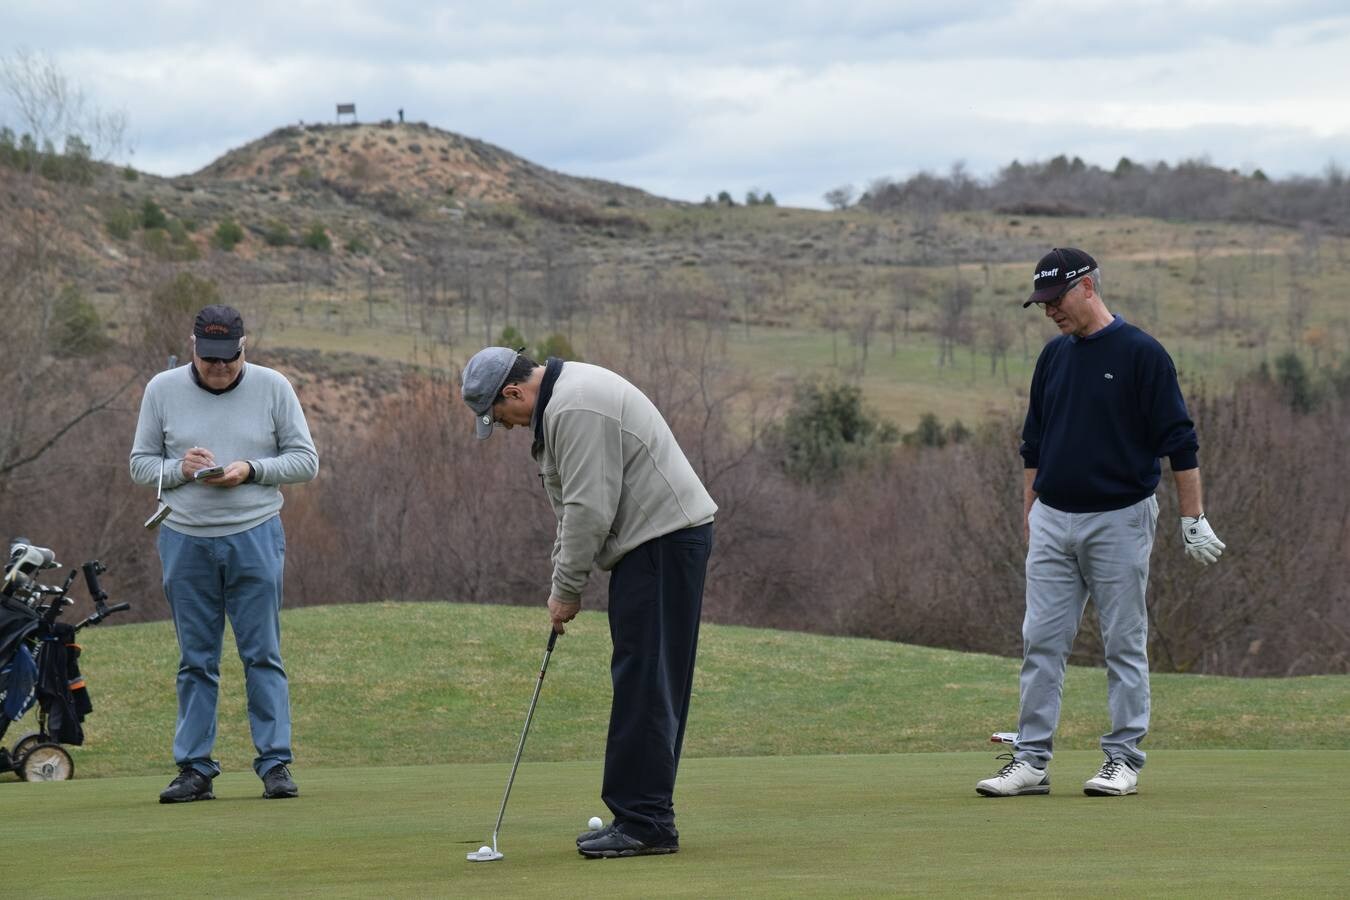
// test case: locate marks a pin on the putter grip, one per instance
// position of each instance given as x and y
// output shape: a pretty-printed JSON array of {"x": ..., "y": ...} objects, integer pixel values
[{"x": 552, "y": 638}]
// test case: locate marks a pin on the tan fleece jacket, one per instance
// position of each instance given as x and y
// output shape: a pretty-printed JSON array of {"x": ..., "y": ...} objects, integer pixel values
[{"x": 613, "y": 472}]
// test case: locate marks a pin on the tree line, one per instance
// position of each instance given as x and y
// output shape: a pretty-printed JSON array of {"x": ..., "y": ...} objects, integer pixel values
[
  {"x": 829, "y": 521},
  {"x": 1064, "y": 186}
]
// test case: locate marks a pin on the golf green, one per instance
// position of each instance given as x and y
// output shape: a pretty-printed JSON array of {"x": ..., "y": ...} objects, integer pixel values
[{"x": 1206, "y": 823}]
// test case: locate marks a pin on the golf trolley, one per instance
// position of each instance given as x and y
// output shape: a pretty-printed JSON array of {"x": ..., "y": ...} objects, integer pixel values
[{"x": 38, "y": 662}]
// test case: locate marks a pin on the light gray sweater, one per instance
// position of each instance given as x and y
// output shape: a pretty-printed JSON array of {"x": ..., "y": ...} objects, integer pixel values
[
  {"x": 259, "y": 421},
  {"x": 614, "y": 474}
]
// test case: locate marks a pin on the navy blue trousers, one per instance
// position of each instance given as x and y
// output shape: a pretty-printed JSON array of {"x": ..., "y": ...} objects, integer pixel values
[{"x": 655, "y": 598}]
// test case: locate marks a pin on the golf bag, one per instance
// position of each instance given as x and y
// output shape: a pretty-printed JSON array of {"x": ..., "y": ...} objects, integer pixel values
[{"x": 39, "y": 663}]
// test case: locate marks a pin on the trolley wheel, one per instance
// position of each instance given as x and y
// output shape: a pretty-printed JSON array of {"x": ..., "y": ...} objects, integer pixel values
[
  {"x": 26, "y": 743},
  {"x": 47, "y": 762}
]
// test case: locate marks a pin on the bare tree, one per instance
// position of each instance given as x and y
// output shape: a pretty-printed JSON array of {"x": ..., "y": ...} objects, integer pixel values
[
  {"x": 832, "y": 320},
  {"x": 46, "y": 393},
  {"x": 54, "y": 109},
  {"x": 998, "y": 338},
  {"x": 841, "y": 197},
  {"x": 863, "y": 323},
  {"x": 952, "y": 326}
]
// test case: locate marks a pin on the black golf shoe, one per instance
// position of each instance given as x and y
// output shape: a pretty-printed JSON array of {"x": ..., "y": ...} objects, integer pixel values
[
  {"x": 592, "y": 835},
  {"x": 277, "y": 784},
  {"x": 614, "y": 843},
  {"x": 188, "y": 786}
]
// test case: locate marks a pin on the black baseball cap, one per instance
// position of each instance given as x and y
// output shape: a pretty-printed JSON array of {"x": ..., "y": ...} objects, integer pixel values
[
  {"x": 219, "y": 331},
  {"x": 1056, "y": 271}
]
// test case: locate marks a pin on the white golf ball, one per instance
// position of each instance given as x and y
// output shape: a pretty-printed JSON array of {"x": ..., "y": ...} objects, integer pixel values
[
  {"x": 485, "y": 851},
  {"x": 595, "y": 823}
]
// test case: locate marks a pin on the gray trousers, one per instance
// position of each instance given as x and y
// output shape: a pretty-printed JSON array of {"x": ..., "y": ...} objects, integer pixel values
[{"x": 1072, "y": 556}]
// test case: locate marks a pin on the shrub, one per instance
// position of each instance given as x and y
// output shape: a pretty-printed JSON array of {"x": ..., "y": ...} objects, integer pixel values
[
  {"x": 356, "y": 247},
  {"x": 76, "y": 328},
  {"x": 277, "y": 233},
  {"x": 228, "y": 234},
  {"x": 9, "y": 149},
  {"x": 929, "y": 433},
  {"x": 1292, "y": 377},
  {"x": 160, "y": 243},
  {"x": 555, "y": 345},
  {"x": 511, "y": 337},
  {"x": 394, "y": 205},
  {"x": 827, "y": 432},
  {"x": 152, "y": 216},
  {"x": 316, "y": 238},
  {"x": 168, "y": 314},
  {"x": 156, "y": 241},
  {"x": 120, "y": 222},
  {"x": 130, "y": 174},
  {"x": 178, "y": 232}
]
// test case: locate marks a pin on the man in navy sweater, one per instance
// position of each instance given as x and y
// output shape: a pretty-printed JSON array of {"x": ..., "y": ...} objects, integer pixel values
[{"x": 1105, "y": 407}]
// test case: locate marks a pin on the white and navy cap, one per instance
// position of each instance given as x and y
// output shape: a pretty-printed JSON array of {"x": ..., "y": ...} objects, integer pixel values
[
  {"x": 1056, "y": 271},
  {"x": 483, "y": 378}
]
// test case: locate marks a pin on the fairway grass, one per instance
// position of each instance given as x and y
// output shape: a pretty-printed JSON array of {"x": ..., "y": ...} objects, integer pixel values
[
  {"x": 1206, "y": 824},
  {"x": 397, "y": 684}
]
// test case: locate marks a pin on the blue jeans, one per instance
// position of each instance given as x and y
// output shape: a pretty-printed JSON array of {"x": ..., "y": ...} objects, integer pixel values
[
  {"x": 1072, "y": 556},
  {"x": 205, "y": 580}
]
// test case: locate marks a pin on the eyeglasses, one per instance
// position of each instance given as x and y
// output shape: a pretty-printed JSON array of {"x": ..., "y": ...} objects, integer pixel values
[
  {"x": 1060, "y": 299},
  {"x": 212, "y": 360}
]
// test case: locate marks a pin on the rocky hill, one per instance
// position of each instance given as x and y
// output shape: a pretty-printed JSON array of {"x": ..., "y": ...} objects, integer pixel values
[
  {"x": 382, "y": 193},
  {"x": 368, "y": 159}
]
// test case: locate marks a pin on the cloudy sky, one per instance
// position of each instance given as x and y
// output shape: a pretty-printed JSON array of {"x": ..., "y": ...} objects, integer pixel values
[{"x": 689, "y": 98}]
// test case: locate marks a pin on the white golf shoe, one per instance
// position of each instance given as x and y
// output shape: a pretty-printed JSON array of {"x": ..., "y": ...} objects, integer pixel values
[
  {"x": 1014, "y": 779},
  {"x": 1114, "y": 779}
]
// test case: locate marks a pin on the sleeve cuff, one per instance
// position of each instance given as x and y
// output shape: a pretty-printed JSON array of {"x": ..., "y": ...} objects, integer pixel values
[
  {"x": 1186, "y": 459},
  {"x": 563, "y": 593}
]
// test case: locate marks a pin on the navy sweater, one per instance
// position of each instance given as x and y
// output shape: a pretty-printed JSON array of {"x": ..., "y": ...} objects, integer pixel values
[{"x": 1103, "y": 410}]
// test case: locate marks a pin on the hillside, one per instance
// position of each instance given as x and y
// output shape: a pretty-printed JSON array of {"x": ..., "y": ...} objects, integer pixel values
[
  {"x": 414, "y": 158},
  {"x": 370, "y": 295}
]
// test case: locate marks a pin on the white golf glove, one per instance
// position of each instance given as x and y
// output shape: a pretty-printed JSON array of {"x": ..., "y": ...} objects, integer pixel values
[{"x": 1202, "y": 544}]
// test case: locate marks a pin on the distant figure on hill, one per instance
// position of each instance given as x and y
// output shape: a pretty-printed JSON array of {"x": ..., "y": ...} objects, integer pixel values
[
  {"x": 1105, "y": 406},
  {"x": 222, "y": 547},
  {"x": 400, "y": 115},
  {"x": 628, "y": 500}
]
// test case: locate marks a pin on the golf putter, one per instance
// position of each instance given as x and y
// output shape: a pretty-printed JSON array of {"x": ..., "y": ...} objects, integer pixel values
[
  {"x": 163, "y": 512},
  {"x": 485, "y": 853}
]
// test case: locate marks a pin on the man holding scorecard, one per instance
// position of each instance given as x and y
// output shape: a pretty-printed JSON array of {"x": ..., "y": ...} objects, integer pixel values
[{"x": 219, "y": 437}]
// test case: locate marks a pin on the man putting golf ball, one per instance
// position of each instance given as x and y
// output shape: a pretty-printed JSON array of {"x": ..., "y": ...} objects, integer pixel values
[{"x": 627, "y": 500}]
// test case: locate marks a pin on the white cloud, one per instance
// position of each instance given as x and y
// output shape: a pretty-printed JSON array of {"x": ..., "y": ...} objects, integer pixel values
[{"x": 691, "y": 98}]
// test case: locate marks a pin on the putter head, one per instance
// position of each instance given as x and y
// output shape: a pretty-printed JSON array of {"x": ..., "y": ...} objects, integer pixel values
[
  {"x": 484, "y": 854},
  {"x": 160, "y": 515}
]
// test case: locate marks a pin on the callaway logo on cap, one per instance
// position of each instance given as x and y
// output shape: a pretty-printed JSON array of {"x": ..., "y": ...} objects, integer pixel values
[{"x": 219, "y": 331}]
